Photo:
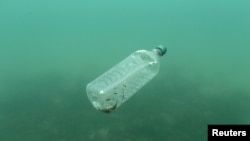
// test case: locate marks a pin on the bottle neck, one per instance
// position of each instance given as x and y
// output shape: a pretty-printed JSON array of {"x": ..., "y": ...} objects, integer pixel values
[
  {"x": 160, "y": 50},
  {"x": 157, "y": 52}
]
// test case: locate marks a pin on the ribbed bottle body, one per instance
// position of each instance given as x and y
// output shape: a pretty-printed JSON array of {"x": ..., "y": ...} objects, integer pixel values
[{"x": 114, "y": 87}]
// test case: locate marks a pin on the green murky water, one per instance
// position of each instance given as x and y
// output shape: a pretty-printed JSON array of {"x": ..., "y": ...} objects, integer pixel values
[{"x": 50, "y": 50}]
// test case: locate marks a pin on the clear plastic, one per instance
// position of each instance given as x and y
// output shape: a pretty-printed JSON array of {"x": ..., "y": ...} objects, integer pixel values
[{"x": 117, "y": 85}]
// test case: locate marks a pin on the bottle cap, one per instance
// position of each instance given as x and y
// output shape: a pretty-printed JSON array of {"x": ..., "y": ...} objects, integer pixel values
[{"x": 162, "y": 49}]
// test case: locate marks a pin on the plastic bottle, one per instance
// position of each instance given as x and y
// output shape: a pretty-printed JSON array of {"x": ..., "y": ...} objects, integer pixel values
[{"x": 110, "y": 90}]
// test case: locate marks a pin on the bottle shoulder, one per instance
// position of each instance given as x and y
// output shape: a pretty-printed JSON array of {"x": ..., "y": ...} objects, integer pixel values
[{"x": 145, "y": 55}]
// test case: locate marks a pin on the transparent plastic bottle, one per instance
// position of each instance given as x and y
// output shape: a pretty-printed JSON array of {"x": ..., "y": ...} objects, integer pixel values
[{"x": 111, "y": 89}]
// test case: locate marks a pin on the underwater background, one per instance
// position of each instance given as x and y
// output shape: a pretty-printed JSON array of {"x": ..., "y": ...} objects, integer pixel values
[{"x": 51, "y": 49}]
